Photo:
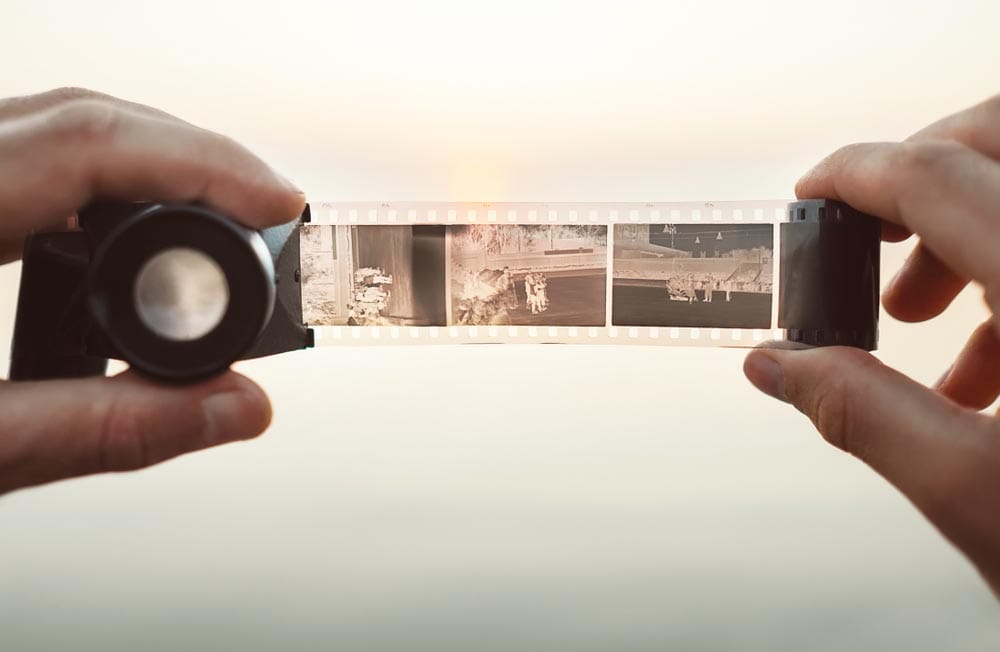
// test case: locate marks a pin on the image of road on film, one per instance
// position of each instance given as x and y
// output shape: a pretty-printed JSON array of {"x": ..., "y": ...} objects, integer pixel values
[
  {"x": 693, "y": 275},
  {"x": 373, "y": 275},
  {"x": 514, "y": 274}
]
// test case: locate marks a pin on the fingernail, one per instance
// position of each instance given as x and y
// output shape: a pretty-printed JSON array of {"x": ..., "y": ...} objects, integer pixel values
[
  {"x": 766, "y": 375},
  {"x": 231, "y": 416}
]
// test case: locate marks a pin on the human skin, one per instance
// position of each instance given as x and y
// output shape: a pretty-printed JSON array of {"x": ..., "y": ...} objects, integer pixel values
[
  {"x": 59, "y": 150},
  {"x": 935, "y": 444}
]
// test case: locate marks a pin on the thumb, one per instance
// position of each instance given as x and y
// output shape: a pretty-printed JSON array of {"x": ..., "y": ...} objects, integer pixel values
[
  {"x": 63, "y": 428},
  {"x": 930, "y": 448},
  {"x": 943, "y": 457}
]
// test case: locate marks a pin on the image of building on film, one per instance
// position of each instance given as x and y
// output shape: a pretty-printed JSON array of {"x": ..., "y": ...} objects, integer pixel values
[
  {"x": 693, "y": 275},
  {"x": 373, "y": 275},
  {"x": 515, "y": 274}
]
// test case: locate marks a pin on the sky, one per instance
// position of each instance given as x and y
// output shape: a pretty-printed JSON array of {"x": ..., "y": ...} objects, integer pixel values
[{"x": 412, "y": 498}]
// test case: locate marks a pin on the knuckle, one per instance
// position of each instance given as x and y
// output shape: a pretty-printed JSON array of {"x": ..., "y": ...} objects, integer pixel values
[
  {"x": 921, "y": 161},
  {"x": 851, "y": 149},
  {"x": 122, "y": 437},
  {"x": 69, "y": 93},
  {"x": 214, "y": 141},
  {"x": 85, "y": 119},
  {"x": 844, "y": 155},
  {"x": 989, "y": 109}
]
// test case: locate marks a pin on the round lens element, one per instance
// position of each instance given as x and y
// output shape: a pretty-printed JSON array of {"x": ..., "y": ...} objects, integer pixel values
[{"x": 181, "y": 294}]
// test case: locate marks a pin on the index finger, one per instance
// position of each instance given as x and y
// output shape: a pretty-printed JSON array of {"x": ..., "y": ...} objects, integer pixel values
[
  {"x": 58, "y": 159},
  {"x": 975, "y": 127},
  {"x": 24, "y": 105},
  {"x": 926, "y": 286},
  {"x": 947, "y": 193}
]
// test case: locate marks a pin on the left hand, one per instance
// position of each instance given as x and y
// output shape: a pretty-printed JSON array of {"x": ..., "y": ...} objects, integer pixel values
[{"x": 58, "y": 151}]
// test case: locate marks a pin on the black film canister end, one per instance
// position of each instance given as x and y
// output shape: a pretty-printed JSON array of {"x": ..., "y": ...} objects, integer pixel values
[{"x": 829, "y": 278}]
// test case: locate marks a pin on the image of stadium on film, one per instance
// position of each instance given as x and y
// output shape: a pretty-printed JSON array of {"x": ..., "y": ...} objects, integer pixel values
[
  {"x": 693, "y": 275},
  {"x": 553, "y": 275}
]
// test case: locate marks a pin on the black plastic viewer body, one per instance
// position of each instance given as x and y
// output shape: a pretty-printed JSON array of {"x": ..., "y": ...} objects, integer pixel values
[{"x": 77, "y": 305}]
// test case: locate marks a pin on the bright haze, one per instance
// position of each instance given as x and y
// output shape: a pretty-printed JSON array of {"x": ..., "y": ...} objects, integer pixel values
[{"x": 498, "y": 498}]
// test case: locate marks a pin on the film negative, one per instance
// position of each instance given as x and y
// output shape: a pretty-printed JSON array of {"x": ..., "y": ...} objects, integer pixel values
[{"x": 695, "y": 273}]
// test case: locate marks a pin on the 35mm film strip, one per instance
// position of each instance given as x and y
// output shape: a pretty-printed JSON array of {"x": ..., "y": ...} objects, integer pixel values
[{"x": 693, "y": 273}]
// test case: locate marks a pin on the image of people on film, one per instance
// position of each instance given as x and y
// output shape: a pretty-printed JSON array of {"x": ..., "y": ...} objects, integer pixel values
[
  {"x": 373, "y": 275},
  {"x": 693, "y": 275},
  {"x": 553, "y": 275}
]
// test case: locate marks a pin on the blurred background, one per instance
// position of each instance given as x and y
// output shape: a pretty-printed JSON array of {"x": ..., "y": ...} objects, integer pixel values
[{"x": 411, "y": 498}]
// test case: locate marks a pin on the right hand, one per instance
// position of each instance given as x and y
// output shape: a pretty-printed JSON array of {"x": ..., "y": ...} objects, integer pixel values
[{"x": 934, "y": 444}]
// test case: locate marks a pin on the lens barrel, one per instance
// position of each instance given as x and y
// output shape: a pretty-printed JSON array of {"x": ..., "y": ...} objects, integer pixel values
[{"x": 181, "y": 291}]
